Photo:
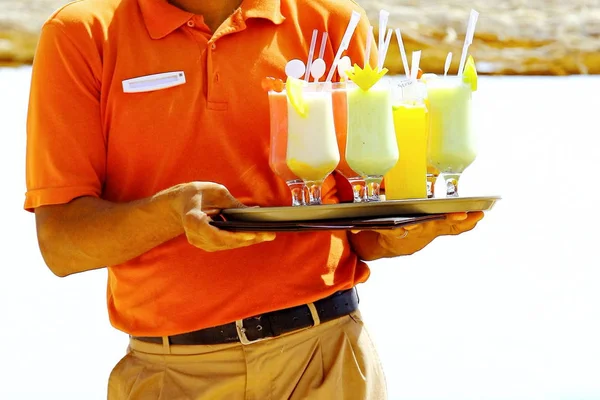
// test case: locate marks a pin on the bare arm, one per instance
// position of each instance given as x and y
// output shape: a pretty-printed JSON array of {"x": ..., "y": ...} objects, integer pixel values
[
  {"x": 373, "y": 245},
  {"x": 89, "y": 233}
]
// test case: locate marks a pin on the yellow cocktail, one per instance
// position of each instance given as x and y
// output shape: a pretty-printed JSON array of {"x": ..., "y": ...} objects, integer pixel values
[{"x": 407, "y": 179}]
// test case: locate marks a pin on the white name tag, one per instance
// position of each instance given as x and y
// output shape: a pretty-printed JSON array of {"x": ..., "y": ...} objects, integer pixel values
[{"x": 150, "y": 83}]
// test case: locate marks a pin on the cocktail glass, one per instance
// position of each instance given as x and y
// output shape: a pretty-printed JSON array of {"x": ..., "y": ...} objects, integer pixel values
[
  {"x": 340, "y": 116},
  {"x": 451, "y": 146},
  {"x": 371, "y": 148},
  {"x": 312, "y": 150},
  {"x": 278, "y": 147},
  {"x": 432, "y": 175}
]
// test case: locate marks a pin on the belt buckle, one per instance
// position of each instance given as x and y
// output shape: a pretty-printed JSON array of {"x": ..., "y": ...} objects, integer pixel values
[{"x": 241, "y": 331}]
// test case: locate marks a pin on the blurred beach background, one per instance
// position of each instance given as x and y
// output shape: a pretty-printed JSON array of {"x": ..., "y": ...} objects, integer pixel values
[{"x": 508, "y": 311}]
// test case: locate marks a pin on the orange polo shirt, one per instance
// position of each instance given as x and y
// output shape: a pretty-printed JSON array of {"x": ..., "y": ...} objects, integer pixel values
[{"x": 86, "y": 136}]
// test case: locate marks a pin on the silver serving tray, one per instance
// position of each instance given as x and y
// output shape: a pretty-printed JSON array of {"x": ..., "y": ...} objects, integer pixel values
[{"x": 391, "y": 208}]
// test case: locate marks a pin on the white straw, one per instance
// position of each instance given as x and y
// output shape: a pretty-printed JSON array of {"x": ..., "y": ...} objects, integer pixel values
[
  {"x": 323, "y": 44},
  {"x": 468, "y": 40},
  {"x": 383, "y": 19},
  {"x": 386, "y": 45},
  {"x": 311, "y": 53},
  {"x": 354, "y": 19},
  {"x": 447, "y": 64},
  {"x": 402, "y": 52},
  {"x": 414, "y": 65},
  {"x": 368, "y": 46}
]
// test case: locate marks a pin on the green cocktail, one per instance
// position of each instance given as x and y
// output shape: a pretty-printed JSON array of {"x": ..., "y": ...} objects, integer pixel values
[
  {"x": 451, "y": 146},
  {"x": 371, "y": 149}
]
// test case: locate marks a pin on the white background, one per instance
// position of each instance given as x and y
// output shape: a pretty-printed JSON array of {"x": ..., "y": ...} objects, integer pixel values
[{"x": 507, "y": 311}]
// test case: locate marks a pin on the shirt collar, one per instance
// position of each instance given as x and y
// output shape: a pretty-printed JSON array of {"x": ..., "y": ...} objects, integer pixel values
[
  {"x": 267, "y": 9},
  {"x": 162, "y": 18}
]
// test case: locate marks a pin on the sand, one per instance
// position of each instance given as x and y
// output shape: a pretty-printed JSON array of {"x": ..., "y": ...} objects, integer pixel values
[{"x": 548, "y": 37}]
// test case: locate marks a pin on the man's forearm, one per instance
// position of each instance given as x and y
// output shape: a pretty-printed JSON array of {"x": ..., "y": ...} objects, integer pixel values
[{"x": 90, "y": 233}]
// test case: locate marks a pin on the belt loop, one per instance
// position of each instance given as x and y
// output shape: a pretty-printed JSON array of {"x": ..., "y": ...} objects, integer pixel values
[
  {"x": 314, "y": 314},
  {"x": 166, "y": 345}
]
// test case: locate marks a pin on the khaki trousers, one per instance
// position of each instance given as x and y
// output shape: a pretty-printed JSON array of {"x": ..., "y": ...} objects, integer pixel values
[{"x": 334, "y": 360}]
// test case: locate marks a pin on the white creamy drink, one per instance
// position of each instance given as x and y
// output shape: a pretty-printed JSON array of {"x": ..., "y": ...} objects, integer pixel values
[
  {"x": 312, "y": 150},
  {"x": 371, "y": 149}
]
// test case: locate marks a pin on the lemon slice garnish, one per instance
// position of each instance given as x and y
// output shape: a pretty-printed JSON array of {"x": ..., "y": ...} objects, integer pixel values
[
  {"x": 470, "y": 74},
  {"x": 293, "y": 88}
]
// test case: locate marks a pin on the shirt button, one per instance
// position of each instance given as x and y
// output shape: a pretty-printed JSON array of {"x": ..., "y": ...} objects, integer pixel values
[
  {"x": 213, "y": 46},
  {"x": 190, "y": 24},
  {"x": 217, "y": 77}
]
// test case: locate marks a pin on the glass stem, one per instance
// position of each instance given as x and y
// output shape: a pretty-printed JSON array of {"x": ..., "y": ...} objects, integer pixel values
[
  {"x": 373, "y": 184},
  {"x": 358, "y": 188},
  {"x": 451, "y": 185},
  {"x": 298, "y": 189},
  {"x": 431, "y": 179},
  {"x": 314, "y": 192},
  {"x": 359, "y": 192}
]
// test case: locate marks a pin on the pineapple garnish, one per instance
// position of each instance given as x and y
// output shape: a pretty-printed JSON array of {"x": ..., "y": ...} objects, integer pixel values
[
  {"x": 367, "y": 77},
  {"x": 470, "y": 74}
]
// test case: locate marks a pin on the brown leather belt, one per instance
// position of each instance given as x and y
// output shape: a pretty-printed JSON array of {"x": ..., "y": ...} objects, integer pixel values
[{"x": 268, "y": 325}]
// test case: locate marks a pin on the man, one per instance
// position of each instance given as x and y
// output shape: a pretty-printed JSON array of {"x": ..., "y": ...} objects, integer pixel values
[{"x": 122, "y": 176}]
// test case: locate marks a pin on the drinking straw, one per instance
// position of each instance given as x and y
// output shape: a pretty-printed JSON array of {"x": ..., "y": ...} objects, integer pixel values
[
  {"x": 402, "y": 52},
  {"x": 323, "y": 43},
  {"x": 414, "y": 65},
  {"x": 383, "y": 19},
  {"x": 318, "y": 66},
  {"x": 368, "y": 46},
  {"x": 311, "y": 53},
  {"x": 386, "y": 45},
  {"x": 344, "y": 44},
  {"x": 447, "y": 64},
  {"x": 468, "y": 40}
]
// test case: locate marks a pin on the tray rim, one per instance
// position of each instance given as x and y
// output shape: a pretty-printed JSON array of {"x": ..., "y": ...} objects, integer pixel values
[{"x": 258, "y": 213}]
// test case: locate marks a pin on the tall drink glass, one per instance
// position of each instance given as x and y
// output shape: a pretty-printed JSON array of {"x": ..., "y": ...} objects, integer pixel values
[
  {"x": 278, "y": 147},
  {"x": 312, "y": 150},
  {"x": 451, "y": 146},
  {"x": 371, "y": 149},
  {"x": 408, "y": 178},
  {"x": 340, "y": 116}
]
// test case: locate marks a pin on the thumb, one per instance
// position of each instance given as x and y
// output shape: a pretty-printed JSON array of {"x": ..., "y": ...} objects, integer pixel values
[
  {"x": 231, "y": 202},
  {"x": 222, "y": 202},
  {"x": 457, "y": 216}
]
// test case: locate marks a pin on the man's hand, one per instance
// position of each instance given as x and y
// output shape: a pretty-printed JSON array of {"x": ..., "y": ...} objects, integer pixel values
[
  {"x": 197, "y": 202},
  {"x": 372, "y": 245}
]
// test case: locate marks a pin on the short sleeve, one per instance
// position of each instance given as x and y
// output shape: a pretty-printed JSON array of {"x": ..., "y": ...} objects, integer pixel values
[{"x": 66, "y": 147}]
